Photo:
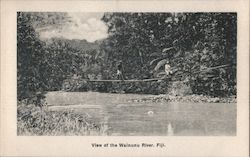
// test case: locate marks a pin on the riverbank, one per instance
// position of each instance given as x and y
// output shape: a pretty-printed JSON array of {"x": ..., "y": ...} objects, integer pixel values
[
  {"x": 187, "y": 98},
  {"x": 96, "y": 98},
  {"x": 39, "y": 121}
]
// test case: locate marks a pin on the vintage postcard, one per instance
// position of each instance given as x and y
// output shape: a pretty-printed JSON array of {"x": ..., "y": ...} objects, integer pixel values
[{"x": 124, "y": 78}]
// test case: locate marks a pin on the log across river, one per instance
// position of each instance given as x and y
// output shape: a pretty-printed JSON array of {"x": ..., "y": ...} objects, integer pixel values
[{"x": 120, "y": 117}]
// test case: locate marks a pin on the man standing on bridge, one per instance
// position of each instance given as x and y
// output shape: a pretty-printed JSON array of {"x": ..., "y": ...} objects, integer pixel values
[{"x": 120, "y": 71}]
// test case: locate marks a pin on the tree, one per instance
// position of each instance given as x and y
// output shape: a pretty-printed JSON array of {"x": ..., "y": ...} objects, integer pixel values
[
  {"x": 31, "y": 62},
  {"x": 191, "y": 41}
]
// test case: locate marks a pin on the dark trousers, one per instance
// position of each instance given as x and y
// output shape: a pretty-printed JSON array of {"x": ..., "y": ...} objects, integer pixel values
[{"x": 120, "y": 76}]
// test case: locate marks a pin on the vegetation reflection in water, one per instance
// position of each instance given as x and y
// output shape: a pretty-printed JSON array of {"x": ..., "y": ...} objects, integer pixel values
[{"x": 155, "y": 119}]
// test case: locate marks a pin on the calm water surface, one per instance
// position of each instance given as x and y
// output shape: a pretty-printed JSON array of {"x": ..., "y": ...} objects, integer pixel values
[{"x": 119, "y": 117}]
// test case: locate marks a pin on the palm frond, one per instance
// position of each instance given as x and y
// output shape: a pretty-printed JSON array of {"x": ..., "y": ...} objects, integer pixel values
[
  {"x": 160, "y": 64},
  {"x": 166, "y": 50}
]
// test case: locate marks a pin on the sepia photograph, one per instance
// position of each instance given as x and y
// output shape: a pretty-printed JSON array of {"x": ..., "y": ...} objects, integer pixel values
[
  {"x": 126, "y": 73},
  {"x": 124, "y": 78}
]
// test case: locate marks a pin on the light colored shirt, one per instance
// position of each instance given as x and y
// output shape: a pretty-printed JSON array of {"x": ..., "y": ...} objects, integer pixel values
[
  {"x": 119, "y": 72},
  {"x": 168, "y": 69}
]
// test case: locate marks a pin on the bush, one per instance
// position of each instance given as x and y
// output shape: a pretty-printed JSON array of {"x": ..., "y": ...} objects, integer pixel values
[
  {"x": 34, "y": 120},
  {"x": 180, "y": 88}
]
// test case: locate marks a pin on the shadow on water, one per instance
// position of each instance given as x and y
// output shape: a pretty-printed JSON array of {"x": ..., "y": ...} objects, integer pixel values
[{"x": 119, "y": 118}]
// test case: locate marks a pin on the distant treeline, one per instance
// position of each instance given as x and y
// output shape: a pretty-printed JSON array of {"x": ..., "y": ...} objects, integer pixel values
[{"x": 191, "y": 42}]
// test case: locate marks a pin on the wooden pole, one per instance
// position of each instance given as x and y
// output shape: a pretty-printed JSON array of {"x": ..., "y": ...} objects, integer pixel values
[{"x": 217, "y": 67}]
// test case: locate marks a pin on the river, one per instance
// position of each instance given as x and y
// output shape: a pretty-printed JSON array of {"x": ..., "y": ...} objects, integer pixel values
[{"x": 120, "y": 117}]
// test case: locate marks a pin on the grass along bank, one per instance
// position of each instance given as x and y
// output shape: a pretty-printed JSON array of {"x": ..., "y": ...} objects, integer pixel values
[{"x": 33, "y": 120}]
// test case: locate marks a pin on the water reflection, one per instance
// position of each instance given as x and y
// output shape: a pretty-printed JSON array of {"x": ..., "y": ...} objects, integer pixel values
[
  {"x": 176, "y": 119},
  {"x": 170, "y": 130},
  {"x": 172, "y": 119}
]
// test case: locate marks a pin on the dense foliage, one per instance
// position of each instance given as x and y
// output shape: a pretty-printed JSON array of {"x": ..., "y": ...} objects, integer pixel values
[
  {"x": 31, "y": 63},
  {"x": 44, "y": 65},
  {"x": 192, "y": 42}
]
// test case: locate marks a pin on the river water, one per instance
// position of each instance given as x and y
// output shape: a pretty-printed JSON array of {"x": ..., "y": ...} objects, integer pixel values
[{"x": 120, "y": 117}]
